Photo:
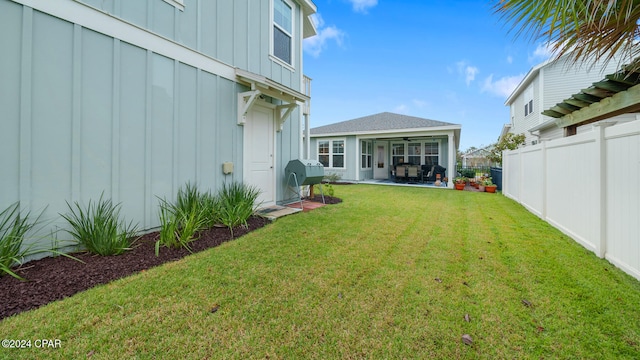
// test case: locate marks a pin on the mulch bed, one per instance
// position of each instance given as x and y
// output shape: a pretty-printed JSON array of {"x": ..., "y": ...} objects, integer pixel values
[{"x": 55, "y": 278}]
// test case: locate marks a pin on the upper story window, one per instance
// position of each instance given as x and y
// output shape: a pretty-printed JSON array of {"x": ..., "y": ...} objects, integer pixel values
[
  {"x": 283, "y": 31},
  {"x": 528, "y": 101}
]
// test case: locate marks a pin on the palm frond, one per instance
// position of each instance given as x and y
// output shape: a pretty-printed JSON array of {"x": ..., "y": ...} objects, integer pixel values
[{"x": 584, "y": 30}]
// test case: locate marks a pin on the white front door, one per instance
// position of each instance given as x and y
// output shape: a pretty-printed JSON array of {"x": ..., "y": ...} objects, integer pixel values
[
  {"x": 380, "y": 161},
  {"x": 259, "y": 156}
]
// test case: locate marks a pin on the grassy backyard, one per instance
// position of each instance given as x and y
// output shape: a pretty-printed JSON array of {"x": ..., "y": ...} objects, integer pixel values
[{"x": 392, "y": 272}]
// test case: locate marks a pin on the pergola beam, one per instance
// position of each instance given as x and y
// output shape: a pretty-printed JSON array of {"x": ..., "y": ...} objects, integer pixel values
[{"x": 623, "y": 102}]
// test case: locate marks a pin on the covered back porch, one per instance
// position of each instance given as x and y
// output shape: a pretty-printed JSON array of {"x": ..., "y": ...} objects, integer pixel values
[{"x": 425, "y": 159}]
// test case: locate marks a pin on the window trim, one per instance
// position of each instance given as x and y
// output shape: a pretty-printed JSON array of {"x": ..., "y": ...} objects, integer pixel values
[
  {"x": 405, "y": 155},
  {"x": 438, "y": 142},
  {"x": 272, "y": 55},
  {"x": 368, "y": 142},
  {"x": 179, "y": 4},
  {"x": 528, "y": 101},
  {"x": 331, "y": 154}
]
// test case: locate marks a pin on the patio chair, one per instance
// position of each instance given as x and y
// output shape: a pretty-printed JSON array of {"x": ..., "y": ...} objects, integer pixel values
[
  {"x": 412, "y": 173},
  {"x": 401, "y": 173}
]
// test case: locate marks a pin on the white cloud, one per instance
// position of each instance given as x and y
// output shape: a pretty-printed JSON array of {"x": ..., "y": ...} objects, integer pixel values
[
  {"x": 542, "y": 53},
  {"x": 502, "y": 87},
  {"x": 316, "y": 44},
  {"x": 469, "y": 72},
  {"x": 401, "y": 109},
  {"x": 362, "y": 6}
]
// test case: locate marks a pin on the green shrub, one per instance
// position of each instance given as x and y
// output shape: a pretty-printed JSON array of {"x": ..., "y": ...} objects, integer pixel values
[
  {"x": 180, "y": 222},
  {"x": 468, "y": 173},
  {"x": 99, "y": 228},
  {"x": 13, "y": 227},
  {"x": 236, "y": 203},
  {"x": 325, "y": 189},
  {"x": 333, "y": 177}
]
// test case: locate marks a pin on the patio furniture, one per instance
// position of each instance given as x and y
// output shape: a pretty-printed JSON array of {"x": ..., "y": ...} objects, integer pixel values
[
  {"x": 429, "y": 172},
  {"x": 412, "y": 172},
  {"x": 401, "y": 173}
]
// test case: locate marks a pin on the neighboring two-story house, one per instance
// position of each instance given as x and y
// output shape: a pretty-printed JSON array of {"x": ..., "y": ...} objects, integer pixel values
[
  {"x": 546, "y": 86},
  {"x": 134, "y": 99}
]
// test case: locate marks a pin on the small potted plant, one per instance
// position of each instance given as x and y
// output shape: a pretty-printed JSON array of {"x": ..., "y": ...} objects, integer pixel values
[
  {"x": 481, "y": 187},
  {"x": 460, "y": 182},
  {"x": 489, "y": 185}
]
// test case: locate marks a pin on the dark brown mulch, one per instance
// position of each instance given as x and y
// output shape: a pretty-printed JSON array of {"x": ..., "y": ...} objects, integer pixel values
[
  {"x": 327, "y": 199},
  {"x": 55, "y": 278}
]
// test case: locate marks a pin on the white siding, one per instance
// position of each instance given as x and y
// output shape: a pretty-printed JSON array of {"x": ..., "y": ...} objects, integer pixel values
[{"x": 554, "y": 82}]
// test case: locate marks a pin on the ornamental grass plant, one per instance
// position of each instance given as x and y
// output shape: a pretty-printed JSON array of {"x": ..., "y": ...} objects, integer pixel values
[
  {"x": 236, "y": 203},
  {"x": 13, "y": 227},
  {"x": 180, "y": 221},
  {"x": 99, "y": 228}
]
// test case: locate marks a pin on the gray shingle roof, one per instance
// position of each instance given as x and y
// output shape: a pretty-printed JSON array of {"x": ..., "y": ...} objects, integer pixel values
[{"x": 378, "y": 122}]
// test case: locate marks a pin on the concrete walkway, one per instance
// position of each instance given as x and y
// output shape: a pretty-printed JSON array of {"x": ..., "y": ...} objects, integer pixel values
[{"x": 277, "y": 211}]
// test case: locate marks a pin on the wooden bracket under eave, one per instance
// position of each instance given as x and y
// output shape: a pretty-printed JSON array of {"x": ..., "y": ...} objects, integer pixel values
[
  {"x": 245, "y": 101},
  {"x": 281, "y": 117}
]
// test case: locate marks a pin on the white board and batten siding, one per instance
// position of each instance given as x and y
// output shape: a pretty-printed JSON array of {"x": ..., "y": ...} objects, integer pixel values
[
  {"x": 127, "y": 98},
  {"x": 587, "y": 186}
]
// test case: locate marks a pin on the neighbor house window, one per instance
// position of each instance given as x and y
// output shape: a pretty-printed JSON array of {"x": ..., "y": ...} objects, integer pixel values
[
  {"x": 414, "y": 153},
  {"x": 331, "y": 153},
  {"x": 323, "y": 152},
  {"x": 337, "y": 156},
  {"x": 366, "y": 154},
  {"x": 282, "y": 30},
  {"x": 431, "y": 153},
  {"x": 397, "y": 153},
  {"x": 528, "y": 101}
]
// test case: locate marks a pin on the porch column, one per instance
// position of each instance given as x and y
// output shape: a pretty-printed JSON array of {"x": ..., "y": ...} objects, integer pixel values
[
  {"x": 451, "y": 166},
  {"x": 307, "y": 133}
]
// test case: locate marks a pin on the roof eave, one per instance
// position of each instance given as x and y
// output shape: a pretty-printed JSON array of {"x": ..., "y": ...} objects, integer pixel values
[
  {"x": 308, "y": 27},
  {"x": 528, "y": 78},
  {"x": 545, "y": 125},
  {"x": 391, "y": 131}
]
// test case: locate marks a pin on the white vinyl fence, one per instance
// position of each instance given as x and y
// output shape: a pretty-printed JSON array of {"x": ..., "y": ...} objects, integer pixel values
[{"x": 588, "y": 186}]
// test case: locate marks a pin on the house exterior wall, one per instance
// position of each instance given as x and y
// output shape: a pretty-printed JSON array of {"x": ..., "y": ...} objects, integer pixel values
[
  {"x": 133, "y": 116},
  {"x": 521, "y": 123},
  {"x": 231, "y": 31},
  {"x": 554, "y": 82},
  {"x": 348, "y": 172}
]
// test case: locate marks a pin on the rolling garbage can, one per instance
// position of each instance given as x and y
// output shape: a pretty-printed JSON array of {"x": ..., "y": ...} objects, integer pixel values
[{"x": 496, "y": 177}]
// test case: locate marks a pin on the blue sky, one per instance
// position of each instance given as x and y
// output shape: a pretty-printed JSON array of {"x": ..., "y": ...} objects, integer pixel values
[{"x": 453, "y": 61}]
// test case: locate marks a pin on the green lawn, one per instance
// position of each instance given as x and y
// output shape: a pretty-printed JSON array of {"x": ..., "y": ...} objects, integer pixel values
[{"x": 389, "y": 273}]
